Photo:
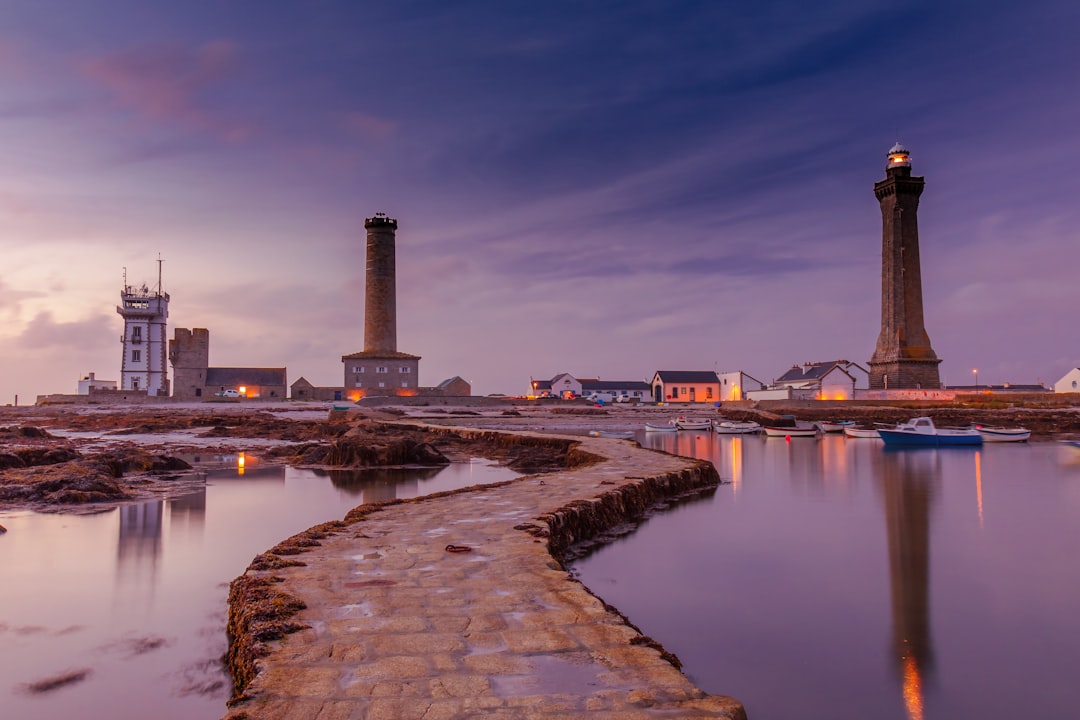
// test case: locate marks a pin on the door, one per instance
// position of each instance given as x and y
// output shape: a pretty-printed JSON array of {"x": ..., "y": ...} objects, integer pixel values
[{"x": 693, "y": 397}]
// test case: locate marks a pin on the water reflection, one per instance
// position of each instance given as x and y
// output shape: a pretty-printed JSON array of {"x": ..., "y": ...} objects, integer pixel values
[
  {"x": 909, "y": 481},
  {"x": 136, "y": 594},
  {"x": 379, "y": 484}
]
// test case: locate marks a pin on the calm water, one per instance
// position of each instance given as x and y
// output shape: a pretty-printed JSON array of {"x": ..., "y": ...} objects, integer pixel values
[
  {"x": 833, "y": 579},
  {"x": 137, "y": 595}
]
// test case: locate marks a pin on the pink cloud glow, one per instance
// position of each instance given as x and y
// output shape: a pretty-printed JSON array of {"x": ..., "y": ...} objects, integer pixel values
[{"x": 167, "y": 84}]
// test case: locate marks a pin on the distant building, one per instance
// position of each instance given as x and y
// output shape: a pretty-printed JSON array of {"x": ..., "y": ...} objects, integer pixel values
[
  {"x": 1070, "y": 383},
  {"x": 380, "y": 369},
  {"x": 143, "y": 365},
  {"x": 90, "y": 384},
  {"x": 685, "y": 386},
  {"x": 735, "y": 385},
  {"x": 565, "y": 385},
  {"x": 833, "y": 380},
  {"x": 189, "y": 352},
  {"x": 302, "y": 389}
]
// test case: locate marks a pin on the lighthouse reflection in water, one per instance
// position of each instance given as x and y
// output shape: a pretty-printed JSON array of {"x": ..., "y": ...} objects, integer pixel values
[{"x": 831, "y": 577}]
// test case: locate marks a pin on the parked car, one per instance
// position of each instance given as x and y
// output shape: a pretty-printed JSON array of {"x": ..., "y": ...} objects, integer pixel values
[{"x": 229, "y": 393}]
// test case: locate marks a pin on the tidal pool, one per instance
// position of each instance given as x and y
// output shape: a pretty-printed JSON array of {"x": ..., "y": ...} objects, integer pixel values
[
  {"x": 121, "y": 614},
  {"x": 831, "y": 578}
]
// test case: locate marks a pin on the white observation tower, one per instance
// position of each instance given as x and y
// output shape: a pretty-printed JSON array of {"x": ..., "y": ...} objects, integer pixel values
[{"x": 145, "y": 311}]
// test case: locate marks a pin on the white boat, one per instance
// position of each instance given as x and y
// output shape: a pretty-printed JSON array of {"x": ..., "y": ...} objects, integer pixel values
[
  {"x": 620, "y": 434},
  {"x": 670, "y": 427},
  {"x": 834, "y": 427},
  {"x": 731, "y": 427},
  {"x": 921, "y": 431},
  {"x": 801, "y": 429},
  {"x": 1003, "y": 434},
  {"x": 857, "y": 432},
  {"x": 685, "y": 423}
]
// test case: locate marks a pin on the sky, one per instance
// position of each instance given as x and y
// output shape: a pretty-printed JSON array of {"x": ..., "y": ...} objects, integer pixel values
[{"x": 601, "y": 188}]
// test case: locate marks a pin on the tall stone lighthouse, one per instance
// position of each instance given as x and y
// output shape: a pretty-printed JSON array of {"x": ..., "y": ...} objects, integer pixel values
[
  {"x": 380, "y": 369},
  {"x": 903, "y": 357}
]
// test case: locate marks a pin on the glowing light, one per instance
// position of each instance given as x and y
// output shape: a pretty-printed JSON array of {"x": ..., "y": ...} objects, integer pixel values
[
  {"x": 978, "y": 486},
  {"x": 240, "y": 462},
  {"x": 913, "y": 698},
  {"x": 242, "y": 390}
]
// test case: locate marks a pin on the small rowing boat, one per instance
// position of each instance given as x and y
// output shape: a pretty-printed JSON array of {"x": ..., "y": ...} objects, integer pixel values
[
  {"x": 685, "y": 423},
  {"x": 801, "y": 429},
  {"x": 826, "y": 426},
  {"x": 731, "y": 427},
  {"x": 858, "y": 432},
  {"x": 670, "y": 427},
  {"x": 1003, "y": 434}
]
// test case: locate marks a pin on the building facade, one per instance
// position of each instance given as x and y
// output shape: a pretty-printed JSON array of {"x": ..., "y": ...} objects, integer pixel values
[
  {"x": 903, "y": 357},
  {"x": 380, "y": 369},
  {"x": 194, "y": 379},
  {"x": 1070, "y": 383},
  {"x": 686, "y": 386},
  {"x": 144, "y": 363}
]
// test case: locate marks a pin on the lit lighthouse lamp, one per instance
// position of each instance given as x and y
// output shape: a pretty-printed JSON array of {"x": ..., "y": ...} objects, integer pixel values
[{"x": 899, "y": 156}]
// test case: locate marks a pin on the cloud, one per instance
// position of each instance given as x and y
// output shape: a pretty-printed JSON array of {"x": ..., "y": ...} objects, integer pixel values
[
  {"x": 170, "y": 85},
  {"x": 44, "y": 333}
]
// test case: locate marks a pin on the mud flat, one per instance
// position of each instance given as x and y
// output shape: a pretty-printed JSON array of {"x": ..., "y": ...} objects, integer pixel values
[{"x": 458, "y": 605}]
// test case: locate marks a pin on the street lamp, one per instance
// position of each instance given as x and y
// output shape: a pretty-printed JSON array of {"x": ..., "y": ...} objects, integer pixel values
[{"x": 976, "y": 371}]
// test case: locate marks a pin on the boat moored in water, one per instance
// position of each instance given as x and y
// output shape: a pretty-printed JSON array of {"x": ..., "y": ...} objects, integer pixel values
[
  {"x": 685, "y": 423},
  {"x": 1003, "y": 434},
  {"x": 826, "y": 426},
  {"x": 732, "y": 427},
  {"x": 921, "y": 431},
  {"x": 852, "y": 431},
  {"x": 800, "y": 429},
  {"x": 670, "y": 427}
]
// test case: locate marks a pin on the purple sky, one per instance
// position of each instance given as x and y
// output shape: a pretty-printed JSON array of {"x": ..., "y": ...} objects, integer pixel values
[{"x": 604, "y": 188}]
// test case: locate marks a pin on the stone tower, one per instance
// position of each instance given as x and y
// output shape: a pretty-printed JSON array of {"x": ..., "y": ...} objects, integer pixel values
[
  {"x": 380, "y": 304},
  {"x": 380, "y": 369},
  {"x": 189, "y": 353},
  {"x": 143, "y": 365},
  {"x": 903, "y": 357}
]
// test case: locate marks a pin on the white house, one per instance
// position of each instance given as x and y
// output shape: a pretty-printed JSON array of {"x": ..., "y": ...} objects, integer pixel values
[
  {"x": 833, "y": 380},
  {"x": 735, "y": 385},
  {"x": 90, "y": 382},
  {"x": 1070, "y": 383}
]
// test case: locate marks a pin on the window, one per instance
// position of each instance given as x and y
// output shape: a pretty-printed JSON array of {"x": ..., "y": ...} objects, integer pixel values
[
  {"x": 381, "y": 369},
  {"x": 382, "y": 384},
  {"x": 359, "y": 384},
  {"x": 358, "y": 368},
  {"x": 405, "y": 370},
  {"x": 404, "y": 383},
  {"x": 708, "y": 393},
  {"x": 136, "y": 333},
  {"x": 136, "y": 356},
  {"x": 683, "y": 391}
]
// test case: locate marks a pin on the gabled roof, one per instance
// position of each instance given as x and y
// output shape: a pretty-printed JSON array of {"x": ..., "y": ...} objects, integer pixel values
[
  {"x": 244, "y": 376},
  {"x": 816, "y": 371},
  {"x": 541, "y": 384},
  {"x": 688, "y": 376},
  {"x": 449, "y": 381}
]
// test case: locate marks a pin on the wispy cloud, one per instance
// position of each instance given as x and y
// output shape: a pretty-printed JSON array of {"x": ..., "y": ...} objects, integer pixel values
[{"x": 170, "y": 85}]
